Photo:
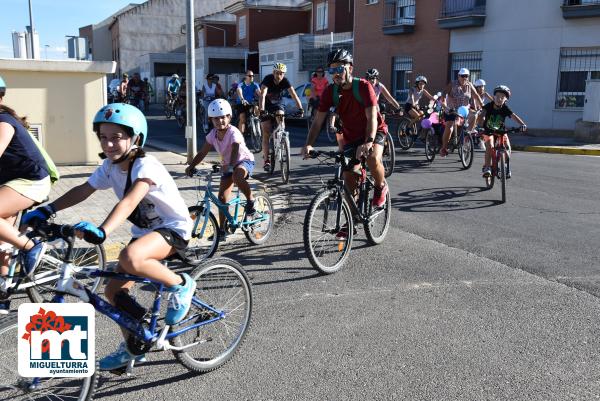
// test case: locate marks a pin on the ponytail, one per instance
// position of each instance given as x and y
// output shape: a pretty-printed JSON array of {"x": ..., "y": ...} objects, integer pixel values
[{"x": 8, "y": 110}]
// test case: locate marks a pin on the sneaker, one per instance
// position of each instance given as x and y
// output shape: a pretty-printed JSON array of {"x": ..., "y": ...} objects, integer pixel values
[
  {"x": 379, "y": 196},
  {"x": 120, "y": 358},
  {"x": 31, "y": 258},
  {"x": 181, "y": 300},
  {"x": 249, "y": 210},
  {"x": 343, "y": 233},
  {"x": 443, "y": 152},
  {"x": 486, "y": 172},
  {"x": 508, "y": 174},
  {"x": 4, "y": 307},
  {"x": 267, "y": 166}
]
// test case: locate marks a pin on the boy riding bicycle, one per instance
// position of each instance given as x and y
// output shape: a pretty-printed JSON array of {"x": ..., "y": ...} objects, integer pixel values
[
  {"x": 492, "y": 117},
  {"x": 149, "y": 198},
  {"x": 237, "y": 162}
]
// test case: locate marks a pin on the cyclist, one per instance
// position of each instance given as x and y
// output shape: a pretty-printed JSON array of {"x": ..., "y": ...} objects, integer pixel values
[
  {"x": 459, "y": 93},
  {"x": 24, "y": 180},
  {"x": 149, "y": 91},
  {"x": 474, "y": 112},
  {"x": 136, "y": 91},
  {"x": 411, "y": 107},
  {"x": 480, "y": 88},
  {"x": 318, "y": 83},
  {"x": 122, "y": 88},
  {"x": 237, "y": 162},
  {"x": 149, "y": 198},
  {"x": 363, "y": 128},
  {"x": 492, "y": 117},
  {"x": 209, "y": 91},
  {"x": 372, "y": 76},
  {"x": 271, "y": 89},
  {"x": 248, "y": 91},
  {"x": 173, "y": 86}
]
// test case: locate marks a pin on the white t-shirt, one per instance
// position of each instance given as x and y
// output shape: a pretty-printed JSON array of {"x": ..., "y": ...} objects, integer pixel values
[{"x": 162, "y": 207}]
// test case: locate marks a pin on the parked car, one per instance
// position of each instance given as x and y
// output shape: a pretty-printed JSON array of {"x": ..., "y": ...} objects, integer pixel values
[
  {"x": 303, "y": 92},
  {"x": 112, "y": 94}
]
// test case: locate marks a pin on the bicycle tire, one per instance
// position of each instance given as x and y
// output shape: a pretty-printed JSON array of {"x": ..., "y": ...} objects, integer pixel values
[
  {"x": 259, "y": 233},
  {"x": 82, "y": 256},
  {"x": 466, "y": 151},
  {"x": 255, "y": 136},
  {"x": 11, "y": 385},
  {"x": 199, "y": 249},
  {"x": 328, "y": 201},
  {"x": 503, "y": 176},
  {"x": 271, "y": 155},
  {"x": 180, "y": 119},
  {"x": 430, "y": 145},
  {"x": 168, "y": 111},
  {"x": 389, "y": 155},
  {"x": 331, "y": 136},
  {"x": 223, "y": 284},
  {"x": 285, "y": 158},
  {"x": 376, "y": 237},
  {"x": 404, "y": 137}
]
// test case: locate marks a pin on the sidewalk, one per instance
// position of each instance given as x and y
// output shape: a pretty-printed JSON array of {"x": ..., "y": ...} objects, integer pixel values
[
  {"x": 553, "y": 145},
  {"x": 96, "y": 208}
]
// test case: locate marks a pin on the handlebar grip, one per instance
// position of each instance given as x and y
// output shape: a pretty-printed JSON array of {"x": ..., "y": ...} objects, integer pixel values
[{"x": 216, "y": 168}]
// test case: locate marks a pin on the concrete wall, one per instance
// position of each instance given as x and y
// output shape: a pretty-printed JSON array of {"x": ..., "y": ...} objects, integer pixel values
[
  {"x": 62, "y": 96},
  {"x": 289, "y": 45},
  {"x": 521, "y": 43},
  {"x": 269, "y": 24}
]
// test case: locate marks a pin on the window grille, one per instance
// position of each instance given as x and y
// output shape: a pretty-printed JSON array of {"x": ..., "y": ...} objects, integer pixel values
[
  {"x": 399, "y": 12},
  {"x": 575, "y": 67},
  {"x": 322, "y": 16},
  {"x": 401, "y": 70},
  {"x": 242, "y": 27},
  {"x": 469, "y": 60}
]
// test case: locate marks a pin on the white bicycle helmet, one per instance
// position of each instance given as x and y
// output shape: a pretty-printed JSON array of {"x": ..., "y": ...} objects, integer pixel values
[
  {"x": 175, "y": 76},
  {"x": 464, "y": 71},
  {"x": 420, "y": 78},
  {"x": 480, "y": 82},
  {"x": 218, "y": 108}
]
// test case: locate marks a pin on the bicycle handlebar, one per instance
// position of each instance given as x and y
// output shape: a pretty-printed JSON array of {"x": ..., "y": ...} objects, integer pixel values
[{"x": 489, "y": 131}]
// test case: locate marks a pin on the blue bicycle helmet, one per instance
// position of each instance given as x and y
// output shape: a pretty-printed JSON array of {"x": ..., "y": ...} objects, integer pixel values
[
  {"x": 2, "y": 87},
  {"x": 126, "y": 115}
]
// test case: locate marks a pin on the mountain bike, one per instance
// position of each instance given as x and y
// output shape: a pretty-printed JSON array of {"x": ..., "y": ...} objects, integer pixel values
[
  {"x": 170, "y": 105},
  {"x": 279, "y": 147},
  {"x": 253, "y": 129},
  {"x": 204, "y": 340},
  {"x": 500, "y": 157},
  {"x": 330, "y": 220},
  {"x": 205, "y": 240}
]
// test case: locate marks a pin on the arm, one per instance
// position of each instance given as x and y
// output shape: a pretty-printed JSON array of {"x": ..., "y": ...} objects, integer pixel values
[
  {"x": 428, "y": 95},
  {"x": 371, "y": 113},
  {"x": 488, "y": 96},
  {"x": 123, "y": 209},
  {"x": 74, "y": 196},
  {"x": 478, "y": 101},
  {"x": 481, "y": 117},
  {"x": 389, "y": 97},
  {"x": 199, "y": 157},
  {"x": 235, "y": 148},
  {"x": 6, "y": 134},
  {"x": 313, "y": 133},
  {"x": 261, "y": 98},
  {"x": 518, "y": 119},
  {"x": 240, "y": 94},
  {"x": 296, "y": 98}
]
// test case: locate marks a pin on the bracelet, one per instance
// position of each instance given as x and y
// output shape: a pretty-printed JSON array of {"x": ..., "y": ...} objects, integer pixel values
[{"x": 369, "y": 140}]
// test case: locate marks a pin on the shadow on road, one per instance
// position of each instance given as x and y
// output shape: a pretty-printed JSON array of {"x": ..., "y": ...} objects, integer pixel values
[{"x": 441, "y": 200}]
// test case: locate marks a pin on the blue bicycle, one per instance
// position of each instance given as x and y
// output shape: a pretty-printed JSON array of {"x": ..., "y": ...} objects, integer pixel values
[
  {"x": 203, "y": 341},
  {"x": 205, "y": 240}
]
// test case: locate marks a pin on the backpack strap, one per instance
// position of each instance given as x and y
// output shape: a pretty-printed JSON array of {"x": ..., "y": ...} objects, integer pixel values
[
  {"x": 336, "y": 95},
  {"x": 355, "y": 92}
]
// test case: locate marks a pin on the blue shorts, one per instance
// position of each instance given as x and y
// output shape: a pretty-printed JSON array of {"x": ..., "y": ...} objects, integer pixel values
[{"x": 247, "y": 164}]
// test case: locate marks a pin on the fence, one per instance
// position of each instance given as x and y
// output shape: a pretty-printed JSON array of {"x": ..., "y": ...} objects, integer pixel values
[{"x": 314, "y": 48}]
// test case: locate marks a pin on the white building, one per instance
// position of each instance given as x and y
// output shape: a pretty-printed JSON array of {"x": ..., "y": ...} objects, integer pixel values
[
  {"x": 22, "y": 44},
  {"x": 19, "y": 46},
  {"x": 544, "y": 50}
]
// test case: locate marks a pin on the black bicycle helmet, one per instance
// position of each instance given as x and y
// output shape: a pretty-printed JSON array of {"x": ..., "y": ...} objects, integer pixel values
[
  {"x": 339, "y": 56},
  {"x": 504, "y": 89},
  {"x": 372, "y": 73}
]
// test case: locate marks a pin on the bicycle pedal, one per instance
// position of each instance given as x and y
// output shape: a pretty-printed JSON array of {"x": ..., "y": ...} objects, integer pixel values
[{"x": 120, "y": 371}]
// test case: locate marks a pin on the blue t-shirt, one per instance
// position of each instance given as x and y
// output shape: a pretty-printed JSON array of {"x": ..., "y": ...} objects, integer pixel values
[
  {"x": 21, "y": 159},
  {"x": 248, "y": 91},
  {"x": 173, "y": 85}
]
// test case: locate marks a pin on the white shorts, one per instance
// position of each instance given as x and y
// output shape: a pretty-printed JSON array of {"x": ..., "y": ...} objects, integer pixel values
[{"x": 37, "y": 191}]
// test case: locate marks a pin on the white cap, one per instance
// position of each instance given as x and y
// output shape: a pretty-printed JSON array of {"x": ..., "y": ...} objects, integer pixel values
[
  {"x": 464, "y": 71},
  {"x": 480, "y": 82}
]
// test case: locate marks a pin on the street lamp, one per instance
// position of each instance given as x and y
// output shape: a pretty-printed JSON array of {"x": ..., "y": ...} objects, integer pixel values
[{"x": 46, "y": 51}]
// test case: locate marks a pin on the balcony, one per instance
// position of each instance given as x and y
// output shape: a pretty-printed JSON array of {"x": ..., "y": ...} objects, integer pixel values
[
  {"x": 462, "y": 14},
  {"x": 398, "y": 17},
  {"x": 580, "y": 8}
]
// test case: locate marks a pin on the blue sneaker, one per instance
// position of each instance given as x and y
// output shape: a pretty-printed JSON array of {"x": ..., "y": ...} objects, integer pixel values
[
  {"x": 31, "y": 258},
  {"x": 4, "y": 307},
  {"x": 181, "y": 300},
  {"x": 120, "y": 358}
]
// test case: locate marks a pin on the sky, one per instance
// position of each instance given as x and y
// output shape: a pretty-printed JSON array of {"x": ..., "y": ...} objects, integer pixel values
[{"x": 53, "y": 20}]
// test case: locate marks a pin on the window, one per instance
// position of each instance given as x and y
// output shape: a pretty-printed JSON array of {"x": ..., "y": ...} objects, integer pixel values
[
  {"x": 468, "y": 60},
  {"x": 575, "y": 67},
  {"x": 399, "y": 12},
  {"x": 242, "y": 27},
  {"x": 321, "y": 16},
  {"x": 401, "y": 68},
  {"x": 372, "y": 2}
]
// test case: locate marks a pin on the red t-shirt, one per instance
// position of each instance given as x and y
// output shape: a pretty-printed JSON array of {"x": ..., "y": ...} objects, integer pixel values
[{"x": 351, "y": 112}]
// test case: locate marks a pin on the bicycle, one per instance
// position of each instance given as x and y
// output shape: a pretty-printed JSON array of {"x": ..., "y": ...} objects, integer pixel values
[
  {"x": 170, "y": 105},
  {"x": 253, "y": 129},
  {"x": 329, "y": 221},
  {"x": 388, "y": 157},
  {"x": 500, "y": 157},
  {"x": 203, "y": 341},
  {"x": 205, "y": 240},
  {"x": 279, "y": 147}
]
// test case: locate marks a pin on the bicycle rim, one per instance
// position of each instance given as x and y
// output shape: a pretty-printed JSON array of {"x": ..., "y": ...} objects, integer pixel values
[
  {"x": 503, "y": 176},
  {"x": 326, "y": 243},
  {"x": 389, "y": 155},
  {"x": 285, "y": 160},
  {"x": 202, "y": 245},
  {"x": 223, "y": 284},
  {"x": 466, "y": 151},
  {"x": 271, "y": 155},
  {"x": 379, "y": 220},
  {"x": 13, "y": 386},
  {"x": 430, "y": 141},
  {"x": 259, "y": 232},
  {"x": 402, "y": 134}
]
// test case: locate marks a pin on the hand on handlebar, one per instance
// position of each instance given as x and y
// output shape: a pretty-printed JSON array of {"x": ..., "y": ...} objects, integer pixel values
[
  {"x": 190, "y": 170},
  {"x": 523, "y": 128}
]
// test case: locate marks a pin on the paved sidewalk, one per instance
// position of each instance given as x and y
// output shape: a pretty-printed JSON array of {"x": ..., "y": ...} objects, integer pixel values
[
  {"x": 97, "y": 207},
  {"x": 553, "y": 145}
]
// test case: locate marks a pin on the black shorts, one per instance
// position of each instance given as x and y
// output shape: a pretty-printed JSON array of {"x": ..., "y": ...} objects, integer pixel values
[
  {"x": 271, "y": 108},
  {"x": 351, "y": 148},
  {"x": 172, "y": 238},
  {"x": 240, "y": 108},
  {"x": 450, "y": 115},
  {"x": 408, "y": 107}
]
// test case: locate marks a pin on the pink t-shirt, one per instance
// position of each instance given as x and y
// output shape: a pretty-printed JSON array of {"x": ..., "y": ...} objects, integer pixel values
[{"x": 223, "y": 147}]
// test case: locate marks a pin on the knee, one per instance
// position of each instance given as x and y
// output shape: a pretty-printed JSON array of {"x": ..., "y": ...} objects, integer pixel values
[
  {"x": 239, "y": 176},
  {"x": 222, "y": 198},
  {"x": 129, "y": 262},
  {"x": 373, "y": 158}
]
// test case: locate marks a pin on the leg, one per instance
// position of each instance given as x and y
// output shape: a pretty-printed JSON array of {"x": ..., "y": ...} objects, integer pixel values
[
  {"x": 266, "y": 126},
  {"x": 11, "y": 203},
  {"x": 414, "y": 114},
  {"x": 376, "y": 166},
  {"x": 239, "y": 178},
  {"x": 489, "y": 150},
  {"x": 242, "y": 123},
  {"x": 448, "y": 130},
  {"x": 5, "y": 256},
  {"x": 225, "y": 188}
]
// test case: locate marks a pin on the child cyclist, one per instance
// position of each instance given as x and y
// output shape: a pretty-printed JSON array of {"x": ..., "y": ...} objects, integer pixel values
[
  {"x": 237, "y": 162},
  {"x": 492, "y": 117},
  {"x": 149, "y": 198}
]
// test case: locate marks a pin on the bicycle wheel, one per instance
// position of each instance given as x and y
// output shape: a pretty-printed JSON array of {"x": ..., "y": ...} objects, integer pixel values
[
  {"x": 285, "y": 158},
  {"x": 379, "y": 220},
  {"x": 168, "y": 110},
  {"x": 330, "y": 133},
  {"x": 255, "y": 136},
  {"x": 46, "y": 274},
  {"x": 180, "y": 117},
  {"x": 430, "y": 144},
  {"x": 16, "y": 388},
  {"x": 271, "y": 155},
  {"x": 202, "y": 245},
  {"x": 389, "y": 155},
  {"x": 503, "y": 176},
  {"x": 223, "y": 285},
  {"x": 403, "y": 132},
  {"x": 466, "y": 151},
  {"x": 326, "y": 243},
  {"x": 259, "y": 232}
]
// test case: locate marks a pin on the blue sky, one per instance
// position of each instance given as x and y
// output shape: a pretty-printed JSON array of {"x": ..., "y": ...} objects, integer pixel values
[{"x": 53, "y": 19}]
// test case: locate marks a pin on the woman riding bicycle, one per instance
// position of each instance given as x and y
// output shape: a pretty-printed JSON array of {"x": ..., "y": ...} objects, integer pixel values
[
  {"x": 148, "y": 198},
  {"x": 24, "y": 181},
  {"x": 318, "y": 83},
  {"x": 411, "y": 107},
  {"x": 372, "y": 76},
  {"x": 237, "y": 162}
]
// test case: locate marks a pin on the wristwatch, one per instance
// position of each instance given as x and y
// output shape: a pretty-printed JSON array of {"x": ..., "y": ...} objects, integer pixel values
[{"x": 369, "y": 140}]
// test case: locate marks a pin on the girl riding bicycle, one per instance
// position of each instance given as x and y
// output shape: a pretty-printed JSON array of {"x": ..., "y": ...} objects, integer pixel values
[
  {"x": 24, "y": 180},
  {"x": 149, "y": 198},
  {"x": 237, "y": 162}
]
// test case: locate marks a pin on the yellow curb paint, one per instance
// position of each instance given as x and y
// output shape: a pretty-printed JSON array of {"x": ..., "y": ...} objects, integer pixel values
[
  {"x": 559, "y": 149},
  {"x": 112, "y": 251}
]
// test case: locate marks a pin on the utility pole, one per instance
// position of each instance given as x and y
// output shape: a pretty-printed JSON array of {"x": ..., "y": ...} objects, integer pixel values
[
  {"x": 32, "y": 30},
  {"x": 190, "y": 129}
]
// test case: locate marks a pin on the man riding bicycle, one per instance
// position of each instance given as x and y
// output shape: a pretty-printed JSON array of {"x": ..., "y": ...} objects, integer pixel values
[
  {"x": 136, "y": 91},
  {"x": 173, "y": 86},
  {"x": 247, "y": 91},
  {"x": 363, "y": 130},
  {"x": 271, "y": 89}
]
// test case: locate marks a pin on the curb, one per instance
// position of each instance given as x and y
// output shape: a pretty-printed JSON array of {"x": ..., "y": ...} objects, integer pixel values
[{"x": 558, "y": 149}]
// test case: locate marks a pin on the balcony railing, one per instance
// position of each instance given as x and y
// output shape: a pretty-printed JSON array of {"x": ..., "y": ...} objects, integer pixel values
[
  {"x": 461, "y": 14},
  {"x": 580, "y": 8},
  {"x": 398, "y": 17}
]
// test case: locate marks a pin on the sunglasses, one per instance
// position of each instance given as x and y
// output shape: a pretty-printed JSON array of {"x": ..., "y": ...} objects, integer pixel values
[
  {"x": 278, "y": 72},
  {"x": 464, "y": 76},
  {"x": 250, "y": 76},
  {"x": 336, "y": 70}
]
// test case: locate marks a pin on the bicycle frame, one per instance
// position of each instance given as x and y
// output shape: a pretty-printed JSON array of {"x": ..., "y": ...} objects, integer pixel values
[{"x": 500, "y": 148}]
